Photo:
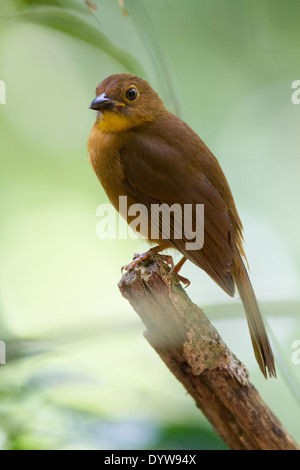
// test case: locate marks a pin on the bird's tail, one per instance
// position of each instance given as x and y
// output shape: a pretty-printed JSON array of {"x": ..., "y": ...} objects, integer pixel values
[{"x": 259, "y": 337}]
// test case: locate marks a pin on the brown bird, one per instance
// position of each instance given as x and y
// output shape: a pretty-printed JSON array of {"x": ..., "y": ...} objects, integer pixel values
[{"x": 140, "y": 150}]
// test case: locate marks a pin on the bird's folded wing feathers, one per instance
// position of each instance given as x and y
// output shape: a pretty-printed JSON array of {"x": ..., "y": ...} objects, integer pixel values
[{"x": 156, "y": 173}]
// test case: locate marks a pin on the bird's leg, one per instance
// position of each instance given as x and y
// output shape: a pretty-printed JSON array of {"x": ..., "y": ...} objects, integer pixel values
[
  {"x": 153, "y": 251},
  {"x": 177, "y": 268},
  {"x": 180, "y": 264}
]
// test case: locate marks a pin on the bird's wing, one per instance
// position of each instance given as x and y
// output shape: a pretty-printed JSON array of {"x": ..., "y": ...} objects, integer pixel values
[{"x": 156, "y": 172}]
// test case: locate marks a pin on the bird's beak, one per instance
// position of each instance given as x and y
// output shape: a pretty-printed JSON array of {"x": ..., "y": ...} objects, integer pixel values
[{"x": 102, "y": 102}]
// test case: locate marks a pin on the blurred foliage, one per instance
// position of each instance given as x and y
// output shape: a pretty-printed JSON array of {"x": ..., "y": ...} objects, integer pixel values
[
  {"x": 79, "y": 373},
  {"x": 75, "y": 19}
]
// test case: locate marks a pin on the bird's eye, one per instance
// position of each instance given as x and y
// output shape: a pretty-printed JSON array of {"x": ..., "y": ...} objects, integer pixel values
[{"x": 131, "y": 94}]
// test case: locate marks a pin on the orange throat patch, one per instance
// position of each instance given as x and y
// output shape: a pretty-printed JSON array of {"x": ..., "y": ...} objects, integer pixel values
[{"x": 111, "y": 122}]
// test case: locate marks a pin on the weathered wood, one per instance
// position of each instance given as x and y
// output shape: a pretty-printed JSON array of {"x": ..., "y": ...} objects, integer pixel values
[{"x": 196, "y": 354}]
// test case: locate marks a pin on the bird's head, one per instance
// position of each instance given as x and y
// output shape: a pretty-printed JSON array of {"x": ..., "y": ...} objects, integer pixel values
[{"x": 124, "y": 102}]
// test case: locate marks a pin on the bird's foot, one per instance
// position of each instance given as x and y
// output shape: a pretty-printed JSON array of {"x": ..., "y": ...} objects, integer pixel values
[
  {"x": 137, "y": 259},
  {"x": 169, "y": 260},
  {"x": 184, "y": 281}
]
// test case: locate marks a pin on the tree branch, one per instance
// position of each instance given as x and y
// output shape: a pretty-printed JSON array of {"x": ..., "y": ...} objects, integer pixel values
[{"x": 195, "y": 353}]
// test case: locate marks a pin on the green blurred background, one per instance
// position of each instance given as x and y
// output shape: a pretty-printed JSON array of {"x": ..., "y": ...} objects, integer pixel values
[{"x": 79, "y": 373}]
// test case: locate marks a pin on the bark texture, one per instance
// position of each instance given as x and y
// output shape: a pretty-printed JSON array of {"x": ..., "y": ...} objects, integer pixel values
[{"x": 195, "y": 353}]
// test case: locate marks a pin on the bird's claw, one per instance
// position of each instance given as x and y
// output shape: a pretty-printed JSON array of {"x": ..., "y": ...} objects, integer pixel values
[
  {"x": 137, "y": 259},
  {"x": 169, "y": 260},
  {"x": 184, "y": 281}
]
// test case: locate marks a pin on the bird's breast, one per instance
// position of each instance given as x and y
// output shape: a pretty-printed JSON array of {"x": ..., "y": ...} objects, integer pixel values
[{"x": 104, "y": 154}]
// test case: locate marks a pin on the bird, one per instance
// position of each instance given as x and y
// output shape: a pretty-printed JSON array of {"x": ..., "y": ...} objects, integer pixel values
[{"x": 140, "y": 150}]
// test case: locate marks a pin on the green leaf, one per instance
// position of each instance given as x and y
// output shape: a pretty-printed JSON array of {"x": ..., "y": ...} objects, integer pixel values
[{"x": 69, "y": 22}]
